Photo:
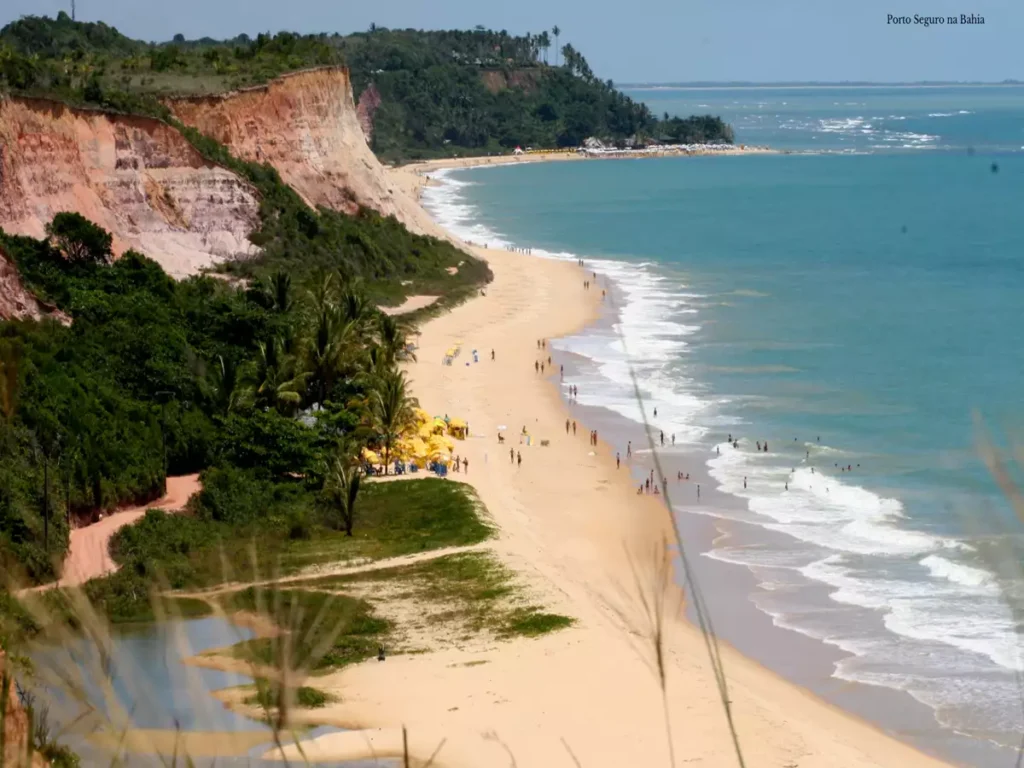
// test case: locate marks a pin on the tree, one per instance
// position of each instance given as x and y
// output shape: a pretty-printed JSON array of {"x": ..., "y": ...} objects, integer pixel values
[
  {"x": 390, "y": 411},
  {"x": 271, "y": 380},
  {"x": 556, "y": 32},
  {"x": 81, "y": 241},
  {"x": 544, "y": 41},
  {"x": 341, "y": 488}
]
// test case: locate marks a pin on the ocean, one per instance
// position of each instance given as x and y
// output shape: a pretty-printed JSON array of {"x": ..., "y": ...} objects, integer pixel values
[{"x": 854, "y": 306}]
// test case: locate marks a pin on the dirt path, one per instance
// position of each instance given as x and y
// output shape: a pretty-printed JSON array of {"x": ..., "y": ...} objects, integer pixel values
[{"x": 89, "y": 554}]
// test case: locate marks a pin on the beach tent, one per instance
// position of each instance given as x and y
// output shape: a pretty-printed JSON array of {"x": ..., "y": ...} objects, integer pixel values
[{"x": 457, "y": 428}]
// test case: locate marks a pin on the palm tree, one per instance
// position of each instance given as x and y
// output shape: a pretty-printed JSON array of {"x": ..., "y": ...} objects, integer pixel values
[
  {"x": 391, "y": 338},
  {"x": 544, "y": 41},
  {"x": 556, "y": 32},
  {"x": 390, "y": 410},
  {"x": 341, "y": 488},
  {"x": 333, "y": 340},
  {"x": 224, "y": 384},
  {"x": 281, "y": 286},
  {"x": 271, "y": 380}
]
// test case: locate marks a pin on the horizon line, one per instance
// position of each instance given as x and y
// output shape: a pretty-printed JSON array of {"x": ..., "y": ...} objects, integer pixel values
[{"x": 811, "y": 83}]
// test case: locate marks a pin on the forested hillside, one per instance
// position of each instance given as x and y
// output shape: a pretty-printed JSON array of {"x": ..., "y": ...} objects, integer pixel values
[{"x": 423, "y": 93}]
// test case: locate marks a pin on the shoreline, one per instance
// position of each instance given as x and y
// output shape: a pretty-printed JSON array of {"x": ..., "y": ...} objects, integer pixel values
[
  {"x": 588, "y": 547},
  {"x": 556, "y": 156}
]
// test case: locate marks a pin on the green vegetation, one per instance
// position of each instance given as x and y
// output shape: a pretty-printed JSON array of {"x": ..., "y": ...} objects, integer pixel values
[
  {"x": 436, "y": 93},
  {"x": 266, "y": 697},
  {"x": 157, "y": 377},
  {"x": 471, "y": 590},
  {"x": 327, "y": 631},
  {"x": 244, "y": 527}
]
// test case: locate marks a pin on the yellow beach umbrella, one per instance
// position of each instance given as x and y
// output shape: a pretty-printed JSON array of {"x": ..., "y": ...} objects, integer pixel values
[
  {"x": 421, "y": 415},
  {"x": 425, "y": 432},
  {"x": 370, "y": 456},
  {"x": 418, "y": 449},
  {"x": 439, "y": 425},
  {"x": 441, "y": 442},
  {"x": 457, "y": 424}
]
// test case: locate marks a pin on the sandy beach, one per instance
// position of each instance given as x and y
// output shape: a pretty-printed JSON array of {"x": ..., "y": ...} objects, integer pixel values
[{"x": 572, "y": 526}]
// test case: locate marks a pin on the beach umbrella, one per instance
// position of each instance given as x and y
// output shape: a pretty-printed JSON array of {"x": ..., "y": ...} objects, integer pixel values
[
  {"x": 457, "y": 424},
  {"x": 421, "y": 415},
  {"x": 439, "y": 425},
  {"x": 425, "y": 432},
  {"x": 370, "y": 456}
]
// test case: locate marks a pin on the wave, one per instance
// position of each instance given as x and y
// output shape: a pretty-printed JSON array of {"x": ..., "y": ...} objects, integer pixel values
[{"x": 912, "y": 609}]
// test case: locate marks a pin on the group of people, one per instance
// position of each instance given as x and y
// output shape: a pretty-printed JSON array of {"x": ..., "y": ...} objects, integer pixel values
[
  {"x": 516, "y": 249},
  {"x": 455, "y": 464}
]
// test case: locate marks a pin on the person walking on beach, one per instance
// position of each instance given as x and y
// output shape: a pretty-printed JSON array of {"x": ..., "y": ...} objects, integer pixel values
[
  {"x": 574, "y": 429},
  {"x": 465, "y": 465},
  {"x": 536, "y": 367},
  {"x": 618, "y": 461},
  {"x": 647, "y": 485},
  {"x": 519, "y": 459},
  {"x": 629, "y": 449},
  {"x": 561, "y": 372},
  {"x": 744, "y": 482},
  {"x": 698, "y": 491},
  {"x": 595, "y": 437},
  {"x": 492, "y": 355},
  {"x": 759, "y": 445},
  {"x": 655, "y": 413},
  {"x": 766, "y": 446},
  {"x": 663, "y": 438},
  {"x": 567, "y": 426},
  {"x": 673, "y": 438},
  {"x": 511, "y": 456},
  {"x": 542, "y": 367},
  {"x": 549, "y": 359}
]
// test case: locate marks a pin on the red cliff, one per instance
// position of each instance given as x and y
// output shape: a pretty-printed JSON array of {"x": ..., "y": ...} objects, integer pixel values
[{"x": 134, "y": 176}]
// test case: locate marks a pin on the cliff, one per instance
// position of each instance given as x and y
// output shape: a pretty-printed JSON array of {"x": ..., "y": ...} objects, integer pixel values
[
  {"x": 134, "y": 176},
  {"x": 306, "y": 125},
  {"x": 16, "y": 302},
  {"x": 15, "y": 729}
]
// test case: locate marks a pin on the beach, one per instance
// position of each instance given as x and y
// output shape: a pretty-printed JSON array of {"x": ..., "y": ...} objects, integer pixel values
[{"x": 573, "y": 527}]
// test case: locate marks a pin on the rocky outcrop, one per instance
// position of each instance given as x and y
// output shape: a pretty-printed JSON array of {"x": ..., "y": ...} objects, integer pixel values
[
  {"x": 136, "y": 177},
  {"x": 305, "y": 125},
  {"x": 16, "y": 302}
]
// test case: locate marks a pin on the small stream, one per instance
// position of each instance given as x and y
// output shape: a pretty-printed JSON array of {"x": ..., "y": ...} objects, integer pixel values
[{"x": 152, "y": 689}]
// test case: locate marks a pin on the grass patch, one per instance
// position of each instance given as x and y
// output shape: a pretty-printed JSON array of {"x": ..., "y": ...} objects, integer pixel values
[
  {"x": 325, "y": 631},
  {"x": 472, "y": 590},
  {"x": 394, "y": 519},
  {"x": 307, "y": 698},
  {"x": 193, "y": 552}
]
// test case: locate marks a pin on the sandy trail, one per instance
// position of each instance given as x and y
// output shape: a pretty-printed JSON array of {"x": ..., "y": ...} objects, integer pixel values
[
  {"x": 89, "y": 554},
  {"x": 338, "y": 569},
  {"x": 572, "y": 528},
  {"x": 411, "y": 304}
]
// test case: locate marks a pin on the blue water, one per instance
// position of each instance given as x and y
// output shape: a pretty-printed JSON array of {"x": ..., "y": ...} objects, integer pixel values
[
  {"x": 875, "y": 119},
  {"x": 853, "y": 309}
]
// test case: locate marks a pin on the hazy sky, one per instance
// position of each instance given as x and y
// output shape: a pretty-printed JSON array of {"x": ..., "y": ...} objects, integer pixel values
[{"x": 653, "y": 40}]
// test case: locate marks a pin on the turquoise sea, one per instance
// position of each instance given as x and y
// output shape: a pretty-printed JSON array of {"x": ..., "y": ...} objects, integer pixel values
[{"x": 857, "y": 303}]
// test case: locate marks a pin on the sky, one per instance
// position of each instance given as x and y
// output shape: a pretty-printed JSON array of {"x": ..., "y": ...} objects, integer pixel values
[{"x": 651, "y": 41}]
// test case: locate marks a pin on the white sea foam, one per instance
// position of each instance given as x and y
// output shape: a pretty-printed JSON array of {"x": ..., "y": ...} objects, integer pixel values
[{"x": 944, "y": 618}]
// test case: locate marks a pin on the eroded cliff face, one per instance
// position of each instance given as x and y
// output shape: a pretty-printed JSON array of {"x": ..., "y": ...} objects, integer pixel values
[
  {"x": 136, "y": 177},
  {"x": 16, "y": 302},
  {"x": 16, "y": 729},
  {"x": 305, "y": 125}
]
